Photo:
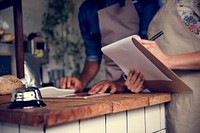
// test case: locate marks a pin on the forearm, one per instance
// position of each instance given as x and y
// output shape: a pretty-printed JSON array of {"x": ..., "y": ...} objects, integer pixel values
[
  {"x": 89, "y": 72},
  {"x": 189, "y": 61}
]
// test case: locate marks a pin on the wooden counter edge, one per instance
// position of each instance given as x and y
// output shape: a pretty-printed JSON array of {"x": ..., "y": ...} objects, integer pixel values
[{"x": 120, "y": 102}]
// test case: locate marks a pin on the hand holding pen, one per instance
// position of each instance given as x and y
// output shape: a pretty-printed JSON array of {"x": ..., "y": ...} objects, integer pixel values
[{"x": 154, "y": 49}]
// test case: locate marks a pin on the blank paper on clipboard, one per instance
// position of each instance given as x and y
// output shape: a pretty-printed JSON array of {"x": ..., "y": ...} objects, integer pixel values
[
  {"x": 127, "y": 56},
  {"x": 127, "y": 53}
]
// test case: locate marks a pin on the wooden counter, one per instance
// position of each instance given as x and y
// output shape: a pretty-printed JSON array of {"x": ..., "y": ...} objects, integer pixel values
[{"x": 62, "y": 110}]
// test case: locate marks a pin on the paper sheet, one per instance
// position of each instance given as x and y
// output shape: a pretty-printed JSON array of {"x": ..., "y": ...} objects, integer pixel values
[
  {"x": 52, "y": 91},
  {"x": 127, "y": 56}
]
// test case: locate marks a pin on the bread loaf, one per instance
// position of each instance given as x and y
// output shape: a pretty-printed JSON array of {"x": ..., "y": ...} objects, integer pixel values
[
  {"x": 7, "y": 37},
  {"x": 2, "y": 31},
  {"x": 9, "y": 83}
]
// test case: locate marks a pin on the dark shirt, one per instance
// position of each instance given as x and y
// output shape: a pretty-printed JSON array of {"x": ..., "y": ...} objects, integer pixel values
[{"x": 89, "y": 25}]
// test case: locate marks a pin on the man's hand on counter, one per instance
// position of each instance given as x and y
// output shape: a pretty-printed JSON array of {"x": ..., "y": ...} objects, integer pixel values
[
  {"x": 71, "y": 83},
  {"x": 107, "y": 86}
]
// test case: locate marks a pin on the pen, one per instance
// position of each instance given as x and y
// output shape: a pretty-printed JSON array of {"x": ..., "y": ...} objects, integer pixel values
[{"x": 156, "y": 36}]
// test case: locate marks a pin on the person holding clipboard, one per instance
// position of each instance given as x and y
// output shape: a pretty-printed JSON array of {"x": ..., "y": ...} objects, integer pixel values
[{"x": 179, "y": 50}]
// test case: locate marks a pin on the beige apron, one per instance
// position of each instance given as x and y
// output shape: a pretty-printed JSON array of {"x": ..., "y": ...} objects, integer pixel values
[
  {"x": 115, "y": 23},
  {"x": 183, "y": 112}
]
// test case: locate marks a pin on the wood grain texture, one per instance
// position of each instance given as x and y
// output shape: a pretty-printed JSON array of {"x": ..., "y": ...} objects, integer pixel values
[{"x": 62, "y": 110}]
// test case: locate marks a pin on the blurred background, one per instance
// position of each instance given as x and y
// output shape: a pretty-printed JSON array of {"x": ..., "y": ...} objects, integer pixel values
[{"x": 52, "y": 42}]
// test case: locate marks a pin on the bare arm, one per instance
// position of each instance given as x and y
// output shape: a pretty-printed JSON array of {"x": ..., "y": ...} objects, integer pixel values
[
  {"x": 188, "y": 61},
  {"x": 89, "y": 72}
]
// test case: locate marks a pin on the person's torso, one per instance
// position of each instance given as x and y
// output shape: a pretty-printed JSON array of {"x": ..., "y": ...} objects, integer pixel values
[{"x": 177, "y": 38}]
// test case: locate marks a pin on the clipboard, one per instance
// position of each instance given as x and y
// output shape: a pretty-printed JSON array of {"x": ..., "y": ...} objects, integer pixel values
[
  {"x": 165, "y": 81},
  {"x": 175, "y": 85}
]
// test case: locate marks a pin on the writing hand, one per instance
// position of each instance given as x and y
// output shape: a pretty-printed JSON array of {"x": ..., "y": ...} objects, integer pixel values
[{"x": 152, "y": 47}]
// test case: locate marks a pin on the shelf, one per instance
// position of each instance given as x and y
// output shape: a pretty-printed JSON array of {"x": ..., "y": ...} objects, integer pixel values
[
  {"x": 2, "y": 44},
  {"x": 6, "y": 54},
  {"x": 19, "y": 46}
]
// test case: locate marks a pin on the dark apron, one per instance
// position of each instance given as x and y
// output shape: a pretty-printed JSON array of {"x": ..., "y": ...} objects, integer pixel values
[
  {"x": 183, "y": 112},
  {"x": 115, "y": 23}
]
